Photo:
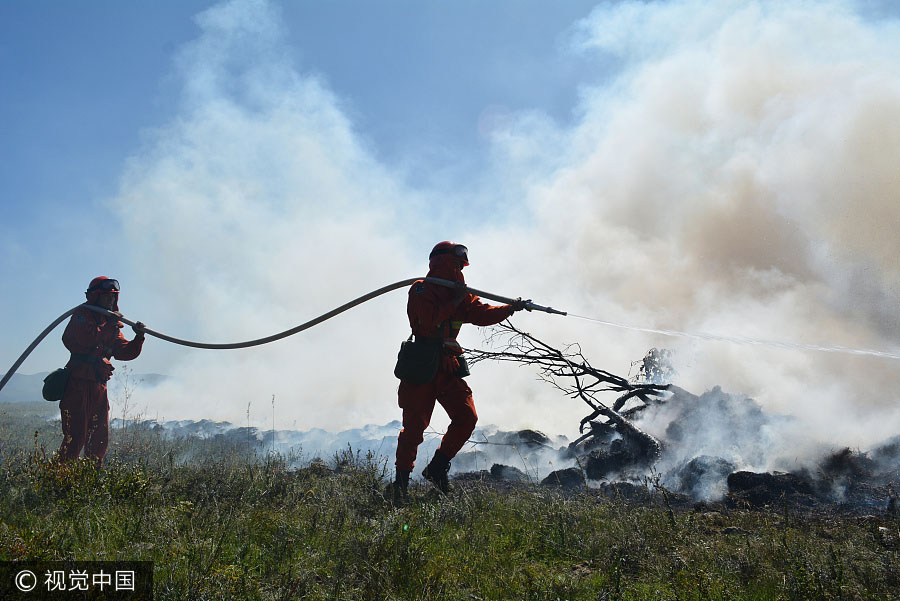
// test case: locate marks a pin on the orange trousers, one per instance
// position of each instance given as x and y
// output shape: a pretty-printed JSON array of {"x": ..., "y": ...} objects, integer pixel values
[
  {"x": 417, "y": 402},
  {"x": 84, "y": 410}
]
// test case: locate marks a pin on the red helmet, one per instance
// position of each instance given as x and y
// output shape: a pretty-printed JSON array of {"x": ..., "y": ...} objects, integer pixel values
[
  {"x": 450, "y": 248},
  {"x": 102, "y": 285}
]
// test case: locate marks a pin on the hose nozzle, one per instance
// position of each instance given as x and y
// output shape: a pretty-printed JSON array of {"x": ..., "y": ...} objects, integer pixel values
[{"x": 530, "y": 306}]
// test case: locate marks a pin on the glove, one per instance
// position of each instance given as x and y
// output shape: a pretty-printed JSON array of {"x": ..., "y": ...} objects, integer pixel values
[
  {"x": 139, "y": 328},
  {"x": 520, "y": 304}
]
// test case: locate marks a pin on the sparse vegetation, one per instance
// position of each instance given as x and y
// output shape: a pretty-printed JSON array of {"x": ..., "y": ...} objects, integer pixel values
[{"x": 220, "y": 526}]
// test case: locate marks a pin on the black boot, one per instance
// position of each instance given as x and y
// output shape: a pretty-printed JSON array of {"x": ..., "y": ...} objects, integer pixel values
[
  {"x": 436, "y": 471},
  {"x": 397, "y": 492}
]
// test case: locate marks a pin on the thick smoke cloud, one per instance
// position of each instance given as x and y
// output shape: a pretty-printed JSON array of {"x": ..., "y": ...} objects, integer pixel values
[
  {"x": 736, "y": 179},
  {"x": 735, "y": 176},
  {"x": 257, "y": 209}
]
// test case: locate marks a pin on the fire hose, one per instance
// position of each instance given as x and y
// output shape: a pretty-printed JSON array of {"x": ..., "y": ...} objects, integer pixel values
[{"x": 529, "y": 306}]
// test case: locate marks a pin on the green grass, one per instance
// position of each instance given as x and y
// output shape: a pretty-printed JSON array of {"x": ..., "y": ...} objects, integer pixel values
[{"x": 222, "y": 523}]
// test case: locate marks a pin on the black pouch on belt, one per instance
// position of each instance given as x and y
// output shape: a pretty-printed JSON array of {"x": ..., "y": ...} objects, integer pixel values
[
  {"x": 55, "y": 384},
  {"x": 463, "y": 370},
  {"x": 418, "y": 360}
]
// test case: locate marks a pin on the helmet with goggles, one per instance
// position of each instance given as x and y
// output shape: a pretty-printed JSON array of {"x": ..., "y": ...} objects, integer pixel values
[
  {"x": 103, "y": 284},
  {"x": 449, "y": 248}
]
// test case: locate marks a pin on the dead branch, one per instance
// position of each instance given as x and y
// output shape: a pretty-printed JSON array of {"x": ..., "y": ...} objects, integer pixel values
[{"x": 570, "y": 372}]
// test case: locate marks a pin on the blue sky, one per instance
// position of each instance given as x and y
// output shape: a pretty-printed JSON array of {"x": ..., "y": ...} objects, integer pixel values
[
  {"x": 85, "y": 82},
  {"x": 243, "y": 166},
  {"x": 86, "y": 85}
]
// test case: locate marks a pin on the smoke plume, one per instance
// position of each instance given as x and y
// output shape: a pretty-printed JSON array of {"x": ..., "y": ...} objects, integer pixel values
[
  {"x": 736, "y": 175},
  {"x": 734, "y": 178}
]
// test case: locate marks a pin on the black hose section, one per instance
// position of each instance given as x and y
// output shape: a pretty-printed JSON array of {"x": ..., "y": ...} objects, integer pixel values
[
  {"x": 205, "y": 345},
  {"x": 249, "y": 343},
  {"x": 33, "y": 345},
  {"x": 530, "y": 306},
  {"x": 267, "y": 339}
]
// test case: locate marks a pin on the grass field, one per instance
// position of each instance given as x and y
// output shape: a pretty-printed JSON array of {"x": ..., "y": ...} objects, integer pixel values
[{"x": 221, "y": 521}]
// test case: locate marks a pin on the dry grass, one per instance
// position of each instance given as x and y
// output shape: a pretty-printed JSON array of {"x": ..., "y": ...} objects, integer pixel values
[{"x": 222, "y": 524}]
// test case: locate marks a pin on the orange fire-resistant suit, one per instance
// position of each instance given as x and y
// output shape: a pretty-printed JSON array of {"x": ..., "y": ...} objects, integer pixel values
[
  {"x": 92, "y": 339},
  {"x": 433, "y": 314}
]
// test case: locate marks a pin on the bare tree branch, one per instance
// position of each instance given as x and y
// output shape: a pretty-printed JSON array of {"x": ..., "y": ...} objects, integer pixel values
[{"x": 570, "y": 372}]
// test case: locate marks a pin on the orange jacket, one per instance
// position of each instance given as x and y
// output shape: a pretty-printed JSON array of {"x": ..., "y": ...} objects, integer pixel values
[
  {"x": 432, "y": 313},
  {"x": 92, "y": 339}
]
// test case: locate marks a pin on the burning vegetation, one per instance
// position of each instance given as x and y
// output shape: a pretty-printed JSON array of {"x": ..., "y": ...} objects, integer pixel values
[{"x": 702, "y": 448}]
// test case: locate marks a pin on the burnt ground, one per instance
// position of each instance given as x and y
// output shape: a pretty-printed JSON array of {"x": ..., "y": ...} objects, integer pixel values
[
  {"x": 846, "y": 481},
  {"x": 746, "y": 491}
]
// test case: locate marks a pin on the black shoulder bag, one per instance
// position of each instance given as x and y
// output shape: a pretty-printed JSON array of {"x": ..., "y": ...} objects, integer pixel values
[
  {"x": 55, "y": 384},
  {"x": 418, "y": 359}
]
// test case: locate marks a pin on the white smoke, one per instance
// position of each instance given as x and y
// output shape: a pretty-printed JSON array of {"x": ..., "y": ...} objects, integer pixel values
[
  {"x": 736, "y": 176},
  {"x": 256, "y": 209}
]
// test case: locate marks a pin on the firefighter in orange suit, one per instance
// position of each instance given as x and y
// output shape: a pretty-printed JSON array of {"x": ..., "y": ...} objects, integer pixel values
[
  {"x": 93, "y": 339},
  {"x": 437, "y": 311}
]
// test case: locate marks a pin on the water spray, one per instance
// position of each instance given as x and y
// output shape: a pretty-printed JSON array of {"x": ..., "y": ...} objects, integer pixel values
[{"x": 744, "y": 340}]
